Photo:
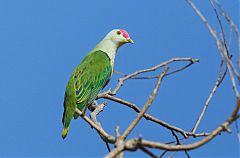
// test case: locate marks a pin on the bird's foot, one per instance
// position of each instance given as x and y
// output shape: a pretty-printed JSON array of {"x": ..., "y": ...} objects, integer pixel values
[
  {"x": 96, "y": 111},
  {"x": 93, "y": 106}
]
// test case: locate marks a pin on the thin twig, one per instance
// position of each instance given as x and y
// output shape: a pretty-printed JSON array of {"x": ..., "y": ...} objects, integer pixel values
[
  {"x": 188, "y": 156},
  {"x": 153, "y": 77},
  {"x": 146, "y": 106},
  {"x": 221, "y": 26},
  {"x": 194, "y": 135},
  {"x": 109, "y": 138},
  {"x": 121, "y": 80},
  {"x": 119, "y": 141},
  {"x": 224, "y": 14},
  {"x": 180, "y": 69},
  {"x": 108, "y": 147},
  {"x": 172, "y": 154},
  {"x": 163, "y": 153},
  {"x": 119, "y": 73},
  {"x": 176, "y": 137},
  {"x": 221, "y": 50},
  {"x": 228, "y": 54},
  {"x": 148, "y": 116},
  {"x": 230, "y": 37},
  {"x": 233, "y": 82},
  {"x": 178, "y": 143},
  {"x": 148, "y": 152},
  {"x": 217, "y": 84},
  {"x": 238, "y": 132}
]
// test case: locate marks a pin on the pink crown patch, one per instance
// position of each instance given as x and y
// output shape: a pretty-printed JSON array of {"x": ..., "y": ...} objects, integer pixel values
[{"x": 125, "y": 34}]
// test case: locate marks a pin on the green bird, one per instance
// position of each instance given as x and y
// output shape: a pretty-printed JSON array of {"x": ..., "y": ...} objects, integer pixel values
[{"x": 91, "y": 76}]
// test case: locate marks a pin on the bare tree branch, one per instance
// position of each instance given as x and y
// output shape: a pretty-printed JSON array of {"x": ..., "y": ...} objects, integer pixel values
[
  {"x": 217, "y": 84},
  {"x": 222, "y": 50},
  {"x": 132, "y": 75},
  {"x": 232, "y": 24},
  {"x": 214, "y": 133},
  {"x": 227, "y": 51},
  {"x": 146, "y": 106},
  {"x": 148, "y": 152},
  {"x": 107, "y": 137},
  {"x": 133, "y": 144},
  {"x": 221, "y": 26},
  {"x": 163, "y": 153},
  {"x": 230, "y": 37},
  {"x": 177, "y": 143},
  {"x": 146, "y": 116},
  {"x": 151, "y": 118},
  {"x": 193, "y": 61}
]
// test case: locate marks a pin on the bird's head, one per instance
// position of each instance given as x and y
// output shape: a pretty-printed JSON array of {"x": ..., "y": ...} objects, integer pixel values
[{"x": 119, "y": 37}]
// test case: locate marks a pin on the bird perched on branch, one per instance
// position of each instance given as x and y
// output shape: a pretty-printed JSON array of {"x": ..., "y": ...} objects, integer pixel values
[{"x": 91, "y": 76}]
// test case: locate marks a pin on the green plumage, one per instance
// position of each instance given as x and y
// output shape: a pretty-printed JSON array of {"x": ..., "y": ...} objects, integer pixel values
[{"x": 86, "y": 81}]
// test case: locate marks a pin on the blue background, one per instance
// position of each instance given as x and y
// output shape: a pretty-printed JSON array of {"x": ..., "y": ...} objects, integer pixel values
[{"x": 41, "y": 42}]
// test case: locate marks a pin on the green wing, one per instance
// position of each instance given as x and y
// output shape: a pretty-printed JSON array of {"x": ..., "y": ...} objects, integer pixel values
[
  {"x": 87, "y": 80},
  {"x": 90, "y": 78}
]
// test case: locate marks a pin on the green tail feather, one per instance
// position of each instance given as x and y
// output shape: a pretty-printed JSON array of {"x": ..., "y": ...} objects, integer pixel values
[
  {"x": 65, "y": 132},
  {"x": 85, "y": 83}
]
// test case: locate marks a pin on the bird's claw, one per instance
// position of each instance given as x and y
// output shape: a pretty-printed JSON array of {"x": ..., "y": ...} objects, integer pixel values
[
  {"x": 96, "y": 111},
  {"x": 93, "y": 106}
]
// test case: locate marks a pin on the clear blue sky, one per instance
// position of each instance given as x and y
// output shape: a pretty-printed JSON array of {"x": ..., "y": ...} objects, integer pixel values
[{"x": 41, "y": 42}]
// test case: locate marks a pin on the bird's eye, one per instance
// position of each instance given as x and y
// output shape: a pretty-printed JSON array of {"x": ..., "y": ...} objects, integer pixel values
[{"x": 119, "y": 32}]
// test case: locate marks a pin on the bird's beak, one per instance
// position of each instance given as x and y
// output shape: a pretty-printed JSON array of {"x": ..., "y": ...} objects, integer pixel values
[{"x": 129, "y": 40}]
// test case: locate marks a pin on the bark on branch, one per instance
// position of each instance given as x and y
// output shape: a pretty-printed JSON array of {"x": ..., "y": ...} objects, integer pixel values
[{"x": 134, "y": 144}]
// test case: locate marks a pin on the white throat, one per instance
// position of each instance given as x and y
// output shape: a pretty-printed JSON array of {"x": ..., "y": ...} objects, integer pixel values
[{"x": 109, "y": 47}]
